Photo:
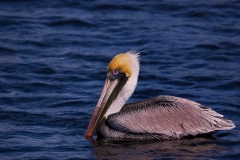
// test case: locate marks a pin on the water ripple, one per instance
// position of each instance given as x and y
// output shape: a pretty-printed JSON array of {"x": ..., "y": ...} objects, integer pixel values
[{"x": 53, "y": 62}]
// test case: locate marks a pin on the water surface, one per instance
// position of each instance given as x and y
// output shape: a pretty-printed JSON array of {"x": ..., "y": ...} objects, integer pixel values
[{"x": 53, "y": 60}]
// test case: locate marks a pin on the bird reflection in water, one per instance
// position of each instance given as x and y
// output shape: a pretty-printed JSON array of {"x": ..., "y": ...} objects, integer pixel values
[{"x": 190, "y": 148}]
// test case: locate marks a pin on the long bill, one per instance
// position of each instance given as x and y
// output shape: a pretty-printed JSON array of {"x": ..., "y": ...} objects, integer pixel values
[{"x": 108, "y": 95}]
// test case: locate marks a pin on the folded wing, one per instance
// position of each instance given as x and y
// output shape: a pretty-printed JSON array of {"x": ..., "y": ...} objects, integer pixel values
[{"x": 168, "y": 115}]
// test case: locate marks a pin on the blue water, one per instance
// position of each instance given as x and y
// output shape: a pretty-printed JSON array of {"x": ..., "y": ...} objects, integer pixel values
[{"x": 53, "y": 60}]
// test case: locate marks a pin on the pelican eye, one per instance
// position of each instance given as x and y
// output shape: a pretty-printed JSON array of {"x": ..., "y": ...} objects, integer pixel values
[{"x": 114, "y": 74}]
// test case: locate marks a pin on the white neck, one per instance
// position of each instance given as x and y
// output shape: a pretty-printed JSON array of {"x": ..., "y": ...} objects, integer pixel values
[{"x": 128, "y": 88}]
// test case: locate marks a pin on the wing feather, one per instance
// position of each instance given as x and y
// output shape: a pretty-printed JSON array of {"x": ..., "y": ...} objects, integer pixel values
[{"x": 172, "y": 116}]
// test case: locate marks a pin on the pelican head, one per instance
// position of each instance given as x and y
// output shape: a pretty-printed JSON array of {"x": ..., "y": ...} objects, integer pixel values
[{"x": 121, "y": 81}]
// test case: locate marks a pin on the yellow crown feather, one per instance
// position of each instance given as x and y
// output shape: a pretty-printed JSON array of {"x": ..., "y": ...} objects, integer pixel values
[{"x": 122, "y": 62}]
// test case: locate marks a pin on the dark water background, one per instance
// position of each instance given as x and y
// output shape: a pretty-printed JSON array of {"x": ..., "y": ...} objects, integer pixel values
[{"x": 53, "y": 59}]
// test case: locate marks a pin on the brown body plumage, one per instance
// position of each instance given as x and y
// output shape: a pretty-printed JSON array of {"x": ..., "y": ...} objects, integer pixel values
[{"x": 162, "y": 117}]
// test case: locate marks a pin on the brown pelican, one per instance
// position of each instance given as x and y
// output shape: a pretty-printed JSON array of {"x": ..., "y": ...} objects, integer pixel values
[{"x": 163, "y": 117}]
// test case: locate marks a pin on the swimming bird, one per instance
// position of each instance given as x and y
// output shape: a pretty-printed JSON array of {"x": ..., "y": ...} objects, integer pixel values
[{"x": 163, "y": 117}]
